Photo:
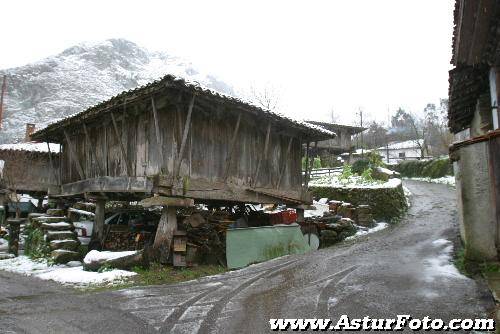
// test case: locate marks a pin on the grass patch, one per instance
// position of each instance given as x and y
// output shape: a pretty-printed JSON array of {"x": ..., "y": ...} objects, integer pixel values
[
  {"x": 157, "y": 274},
  {"x": 460, "y": 261}
]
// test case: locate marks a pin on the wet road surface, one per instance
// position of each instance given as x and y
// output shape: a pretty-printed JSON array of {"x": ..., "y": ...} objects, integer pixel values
[{"x": 404, "y": 269}]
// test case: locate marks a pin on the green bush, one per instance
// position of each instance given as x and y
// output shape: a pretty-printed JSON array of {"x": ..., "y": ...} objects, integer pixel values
[
  {"x": 359, "y": 166},
  {"x": 431, "y": 168},
  {"x": 346, "y": 172},
  {"x": 316, "y": 162},
  {"x": 35, "y": 246}
]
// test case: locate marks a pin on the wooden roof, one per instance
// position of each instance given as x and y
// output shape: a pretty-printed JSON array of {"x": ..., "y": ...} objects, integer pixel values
[
  {"x": 310, "y": 132},
  {"x": 476, "y": 48},
  {"x": 336, "y": 127},
  {"x": 476, "y": 32}
]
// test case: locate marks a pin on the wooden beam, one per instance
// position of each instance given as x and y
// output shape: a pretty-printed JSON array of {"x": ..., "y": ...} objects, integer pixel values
[
  {"x": 74, "y": 156},
  {"x": 307, "y": 165},
  {"x": 282, "y": 171},
  {"x": 92, "y": 150},
  {"x": 231, "y": 148},
  {"x": 51, "y": 164},
  {"x": 266, "y": 145},
  {"x": 122, "y": 147},
  {"x": 187, "y": 125},
  {"x": 157, "y": 131}
]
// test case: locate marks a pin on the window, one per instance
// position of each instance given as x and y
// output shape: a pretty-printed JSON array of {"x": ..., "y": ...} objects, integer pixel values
[{"x": 402, "y": 155}]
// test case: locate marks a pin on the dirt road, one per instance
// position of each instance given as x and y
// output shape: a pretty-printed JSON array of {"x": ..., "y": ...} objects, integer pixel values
[{"x": 404, "y": 269}]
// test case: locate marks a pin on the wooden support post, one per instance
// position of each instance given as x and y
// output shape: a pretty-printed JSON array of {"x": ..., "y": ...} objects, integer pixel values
[
  {"x": 164, "y": 233},
  {"x": 74, "y": 156},
  {"x": 92, "y": 150},
  {"x": 157, "y": 131},
  {"x": 285, "y": 161},
  {"x": 300, "y": 215},
  {"x": 311, "y": 164},
  {"x": 231, "y": 149},
  {"x": 122, "y": 147},
  {"x": 187, "y": 125},
  {"x": 51, "y": 163},
  {"x": 98, "y": 232},
  {"x": 264, "y": 155},
  {"x": 307, "y": 164}
]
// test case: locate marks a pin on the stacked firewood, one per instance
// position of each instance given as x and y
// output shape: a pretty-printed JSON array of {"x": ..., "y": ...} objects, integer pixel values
[{"x": 206, "y": 236}]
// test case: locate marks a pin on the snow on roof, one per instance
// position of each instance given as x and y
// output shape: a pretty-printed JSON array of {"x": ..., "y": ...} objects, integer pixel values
[
  {"x": 404, "y": 145},
  {"x": 31, "y": 147},
  {"x": 179, "y": 82}
]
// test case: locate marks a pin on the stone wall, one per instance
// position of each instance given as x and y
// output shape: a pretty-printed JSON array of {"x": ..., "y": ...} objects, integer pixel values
[{"x": 387, "y": 203}]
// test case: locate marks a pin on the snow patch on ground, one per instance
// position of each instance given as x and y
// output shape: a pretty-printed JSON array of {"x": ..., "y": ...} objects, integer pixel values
[
  {"x": 67, "y": 275},
  {"x": 441, "y": 266},
  {"x": 449, "y": 180},
  {"x": 364, "y": 231},
  {"x": 96, "y": 256},
  {"x": 407, "y": 193},
  {"x": 321, "y": 208}
]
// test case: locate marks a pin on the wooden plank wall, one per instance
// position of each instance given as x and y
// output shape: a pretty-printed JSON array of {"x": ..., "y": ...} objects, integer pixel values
[{"x": 206, "y": 150}]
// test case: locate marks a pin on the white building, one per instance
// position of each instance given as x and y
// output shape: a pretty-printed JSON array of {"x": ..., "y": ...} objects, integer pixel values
[{"x": 397, "y": 151}]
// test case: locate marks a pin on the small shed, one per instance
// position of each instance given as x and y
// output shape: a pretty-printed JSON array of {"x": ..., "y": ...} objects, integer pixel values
[
  {"x": 329, "y": 150},
  {"x": 25, "y": 168}
]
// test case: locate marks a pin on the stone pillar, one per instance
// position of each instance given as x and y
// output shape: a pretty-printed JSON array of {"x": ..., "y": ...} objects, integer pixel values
[
  {"x": 39, "y": 204},
  {"x": 14, "y": 228}
]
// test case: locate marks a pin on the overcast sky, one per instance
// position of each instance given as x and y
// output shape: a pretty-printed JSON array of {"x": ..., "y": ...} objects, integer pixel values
[{"x": 317, "y": 55}]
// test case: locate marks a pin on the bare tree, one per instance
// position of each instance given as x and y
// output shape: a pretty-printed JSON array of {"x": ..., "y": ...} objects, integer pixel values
[{"x": 266, "y": 97}]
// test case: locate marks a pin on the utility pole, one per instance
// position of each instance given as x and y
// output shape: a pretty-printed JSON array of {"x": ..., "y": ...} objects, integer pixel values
[
  {"x": 361, "y": 119},
  {"x": 387, "y": 135},
  {"x": 2, "y": 94}
]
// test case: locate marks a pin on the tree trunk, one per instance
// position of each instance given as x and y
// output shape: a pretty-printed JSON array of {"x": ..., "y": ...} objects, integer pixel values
[
  {"x": 164, "y": 234},
  {"x": 98, "y": 231}
]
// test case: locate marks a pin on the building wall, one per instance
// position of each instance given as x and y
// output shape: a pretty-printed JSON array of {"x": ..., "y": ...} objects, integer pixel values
[
  {"x": 478, "y": 226},
  {"x": 27, "y": 171},
  {"x": 394, "y": 155},
  {"x": 342, "y": 142}
]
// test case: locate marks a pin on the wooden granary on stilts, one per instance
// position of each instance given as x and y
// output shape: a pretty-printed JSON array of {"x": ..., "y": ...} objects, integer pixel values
[{"x": 174, "y": 143}]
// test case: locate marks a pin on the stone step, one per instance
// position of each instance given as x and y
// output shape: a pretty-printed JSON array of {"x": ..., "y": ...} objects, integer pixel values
[
  {"x": 59, "y": 226},
  {"x": 61, "y": 256},
  {"x": 55, "y": 212},
  {"x": 60, "y": 235},
  {"x": 67, "y": 244}
]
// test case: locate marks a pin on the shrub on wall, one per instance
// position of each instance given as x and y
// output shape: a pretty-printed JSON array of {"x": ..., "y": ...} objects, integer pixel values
[{"x": 431, "y": 168}]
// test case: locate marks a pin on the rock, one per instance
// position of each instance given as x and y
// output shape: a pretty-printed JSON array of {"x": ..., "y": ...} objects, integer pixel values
[
  {"x": 93, "y": 261},
  {"x": 55, "y": 212},
  {"x": 61, "y": 256},
  {"x": 60, "y": 226},
  {"x": 60, "y": 235},
  {"x": 328, "y": 238},
  {"x": 6, "y": 256},
  {"x": 74, "y": 264},
  {"x": 67, "y": 244}
]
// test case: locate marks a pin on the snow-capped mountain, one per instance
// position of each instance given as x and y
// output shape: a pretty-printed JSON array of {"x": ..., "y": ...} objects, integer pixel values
[{"x": 82, "y": 76}]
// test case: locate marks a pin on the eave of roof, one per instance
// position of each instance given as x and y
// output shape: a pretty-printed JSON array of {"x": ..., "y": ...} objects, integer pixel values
[
  {"x": 311, "y": 131},
  {"x": 334, "y": 126}
]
